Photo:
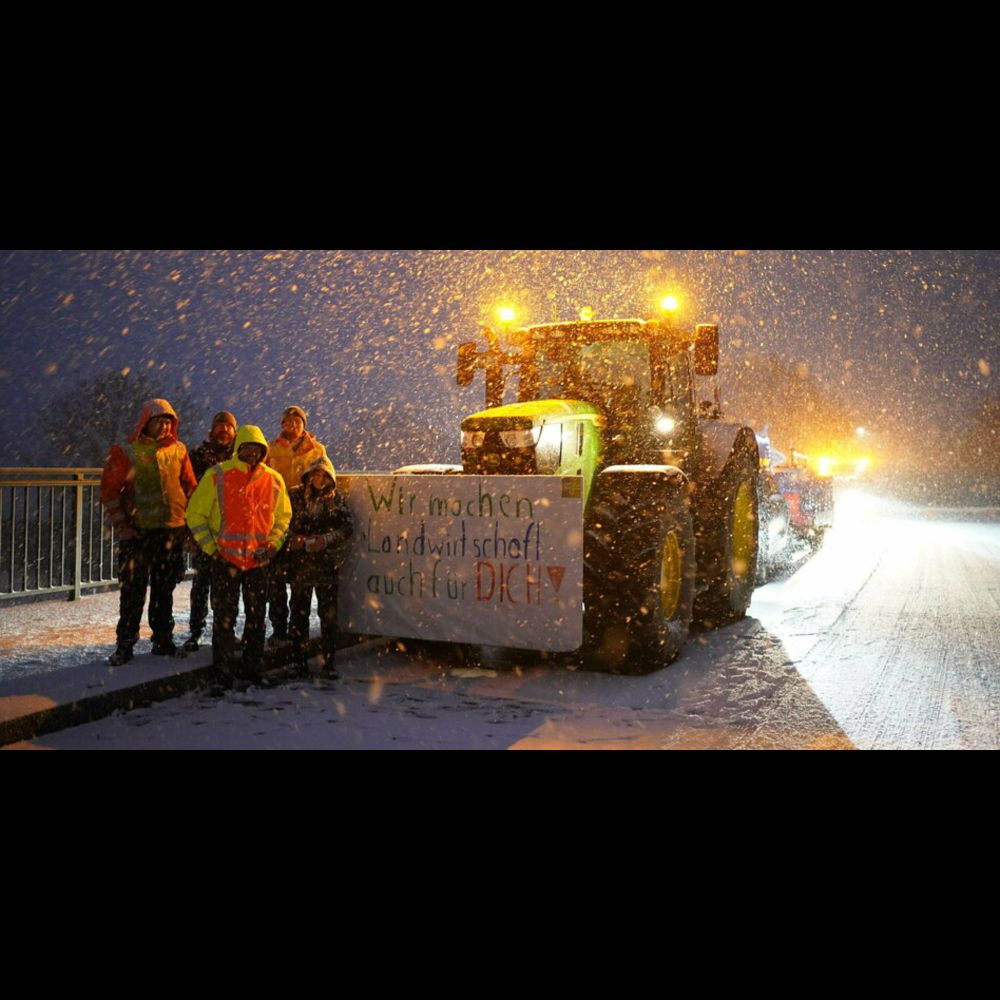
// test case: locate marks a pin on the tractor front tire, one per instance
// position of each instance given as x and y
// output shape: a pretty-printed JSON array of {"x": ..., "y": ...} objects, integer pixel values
[{"x": 639, "y": 571}]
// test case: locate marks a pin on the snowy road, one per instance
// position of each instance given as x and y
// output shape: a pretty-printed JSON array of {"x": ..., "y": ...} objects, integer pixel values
[
  {"x": 888, "y": 638},
  {"x": 896, "y": 626}
]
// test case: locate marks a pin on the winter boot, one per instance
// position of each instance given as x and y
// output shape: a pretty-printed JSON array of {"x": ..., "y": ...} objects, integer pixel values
[
  {"x": 300, "y": 661},
  {"x": 122, "y": 654},
  {"x": 191, "y": 646},
  {"x": 166, "y": 647},
  {"x": 249, "y": 668}
]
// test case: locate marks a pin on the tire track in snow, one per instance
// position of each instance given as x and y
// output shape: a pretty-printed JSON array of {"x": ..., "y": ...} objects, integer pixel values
[{"x": 907, "y": 662}]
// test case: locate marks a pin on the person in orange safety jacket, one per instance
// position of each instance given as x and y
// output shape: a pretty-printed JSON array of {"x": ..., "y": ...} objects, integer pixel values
[
  {"x": 144, "y": 489},
  {"x": 239, "y": 516}
]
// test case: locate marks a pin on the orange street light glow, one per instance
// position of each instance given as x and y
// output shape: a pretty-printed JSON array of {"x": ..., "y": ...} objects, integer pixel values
[
  {"x": 669, "y": 303},
  {"x": 506, "y": 314}
]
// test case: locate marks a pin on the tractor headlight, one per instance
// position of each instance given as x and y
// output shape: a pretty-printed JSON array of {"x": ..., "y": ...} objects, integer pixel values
[
  {"x": 526, "y": 437},
  {"x": 473, "y": 439},
  {"x": 665, "y": 421}
]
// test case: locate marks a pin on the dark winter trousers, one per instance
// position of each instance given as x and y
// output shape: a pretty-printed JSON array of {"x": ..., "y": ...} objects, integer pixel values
[
  {"x": 227, "y": 583},
  {"x": 155, "y": 559},
  {"x": 199, "y": 592},
  {"x": 277, "y": 597},
  {"x": 326, "y": 596}
]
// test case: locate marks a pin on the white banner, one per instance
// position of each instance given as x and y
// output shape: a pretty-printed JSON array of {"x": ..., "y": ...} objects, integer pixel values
[{"x": 487, "y": 560}]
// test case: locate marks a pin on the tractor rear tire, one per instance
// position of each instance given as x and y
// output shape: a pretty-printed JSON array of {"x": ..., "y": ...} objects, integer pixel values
[
  {"x": 727, "y": 523},
  {"x": 639, "y": 572}
]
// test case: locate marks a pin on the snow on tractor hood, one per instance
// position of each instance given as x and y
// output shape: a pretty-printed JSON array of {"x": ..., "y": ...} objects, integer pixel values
[{"x": 516, "y": 416}]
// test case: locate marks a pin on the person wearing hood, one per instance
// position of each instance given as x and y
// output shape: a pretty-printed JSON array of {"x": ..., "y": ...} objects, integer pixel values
[
  {"x": 292, "y": 452},
  {"x": 216, "y": 448},
  {"x": 321, "y": 526},
  {"x": 144, "y": 490},
  {"x": 239, "y": 515}
]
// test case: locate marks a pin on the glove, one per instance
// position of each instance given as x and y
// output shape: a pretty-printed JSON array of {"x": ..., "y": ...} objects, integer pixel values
[
  {"x": 265, "y": 554},
  {"x": 316, "y": 543}
]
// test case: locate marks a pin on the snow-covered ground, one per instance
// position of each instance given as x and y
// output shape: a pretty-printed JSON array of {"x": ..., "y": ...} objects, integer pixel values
[
  {"x": 895, "y": 625},
  {"x": 42, "y": 636},
  {"x": 888, "y": 638}
]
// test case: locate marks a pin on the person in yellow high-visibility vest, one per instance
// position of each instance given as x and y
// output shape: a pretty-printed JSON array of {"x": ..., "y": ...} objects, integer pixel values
[{"x": 239, "y": 515}]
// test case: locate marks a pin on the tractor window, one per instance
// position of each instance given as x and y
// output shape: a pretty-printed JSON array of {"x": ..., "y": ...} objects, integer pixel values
[
  {"x": 616, "y": 364},
  {"x": 553, "y": 373},
  {"x": 679, "y": 378},
  {"x": 614, "y": 375}
]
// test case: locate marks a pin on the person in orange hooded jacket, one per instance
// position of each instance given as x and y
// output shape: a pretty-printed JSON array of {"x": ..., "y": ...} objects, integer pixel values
[
  {"x": 292, "y": 452},
  {"x": 144, "y": 490}
]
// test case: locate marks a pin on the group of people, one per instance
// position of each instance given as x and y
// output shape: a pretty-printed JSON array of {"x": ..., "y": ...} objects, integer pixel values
[{"x": 258, "y": 516}]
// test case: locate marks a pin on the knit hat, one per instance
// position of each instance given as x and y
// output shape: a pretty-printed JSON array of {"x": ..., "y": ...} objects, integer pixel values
[
  {"x": 295, "y": 411},
  {"x": 225, "y": 417}
]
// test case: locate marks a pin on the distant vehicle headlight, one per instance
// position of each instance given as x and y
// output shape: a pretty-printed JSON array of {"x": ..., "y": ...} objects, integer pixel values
[
  {"x": 473, "y": 439},
  {"x": 665, "y": 425}
]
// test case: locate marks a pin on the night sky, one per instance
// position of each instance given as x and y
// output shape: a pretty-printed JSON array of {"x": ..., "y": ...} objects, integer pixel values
[{"x": 901, "y": 342}]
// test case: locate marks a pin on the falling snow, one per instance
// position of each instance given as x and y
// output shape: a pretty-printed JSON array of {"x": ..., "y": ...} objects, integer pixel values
[
  {"x": 813, "y": 343},
  {"x": 882, "y": 362}
]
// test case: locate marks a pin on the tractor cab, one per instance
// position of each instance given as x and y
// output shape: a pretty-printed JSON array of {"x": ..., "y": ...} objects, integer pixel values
[{"x": 590, "y": 395}]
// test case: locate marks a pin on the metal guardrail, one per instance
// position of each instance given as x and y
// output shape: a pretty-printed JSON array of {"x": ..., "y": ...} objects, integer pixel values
[{"x": 53, "y": 538}]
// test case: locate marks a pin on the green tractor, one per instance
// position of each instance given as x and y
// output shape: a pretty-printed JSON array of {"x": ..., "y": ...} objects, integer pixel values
[{"x": 669, "y": 490}]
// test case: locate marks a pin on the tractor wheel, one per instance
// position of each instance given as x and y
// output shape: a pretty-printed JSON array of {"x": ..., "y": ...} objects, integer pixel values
[
  {"x": 727, "y": 533},
  {"x": 639, "y": 571}
]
